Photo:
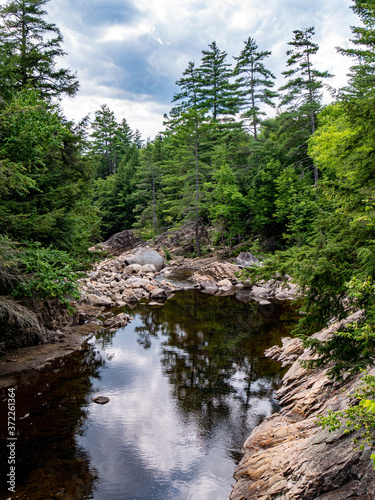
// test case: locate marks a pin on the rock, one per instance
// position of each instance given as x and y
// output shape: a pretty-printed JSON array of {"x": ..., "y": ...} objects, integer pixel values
[
  {"x": 260, "y": 291},
  {"x": 137, "y": 282},
  {"x": 118, "y": 321},
  {"x": 145, "y": 256},
  {"x": 224, "y": 283},
  {"x": 214, "y": 272},
  {"x": 99, "y": 300},
  {"x": 148, "y": 268},
  {"x": 120, "y": 242},
  {"x": 287, "y": 354},
  {"x": 245, "y": 259},
  {"x": 289, "y": 456},
  {"x": 101, "y": 400},
  {"x": 264, "y": 303},
  {"x": 133, "y": 269},
  {"x": 132, "y": 298},
  {"x": 158, "y": 294}
]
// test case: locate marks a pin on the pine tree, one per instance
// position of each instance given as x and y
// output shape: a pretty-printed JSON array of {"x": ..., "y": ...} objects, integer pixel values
[
  {"x": 189, "y": 85},
  {"x": 148, "y": 184},
  {"x": 362, "y": 73},
  {"x": 302, "y": 96},
  {"x": 30, "y": 46},
  {"x": 105, "y": 138},
  {"x": 215, "y": 91},
  {"x": 256, "y": 82},
  {"x": 185, "y": 172}
]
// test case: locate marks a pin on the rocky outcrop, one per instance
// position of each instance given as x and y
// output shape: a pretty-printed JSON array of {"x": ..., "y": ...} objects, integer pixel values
[
  {"x": 223, "y": 277},
  {"x": 31, "y": 322},
  {"x": 120, "y": 242},
  {"x": 289, "y": 456}
]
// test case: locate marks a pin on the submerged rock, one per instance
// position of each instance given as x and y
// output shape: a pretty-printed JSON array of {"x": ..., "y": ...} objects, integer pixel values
[{"x": 101, "y": 400}]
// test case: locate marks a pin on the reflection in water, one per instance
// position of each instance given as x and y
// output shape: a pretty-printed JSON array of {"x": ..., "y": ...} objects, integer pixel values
[
  {"x": 187, "y": 382},
  {"x": 51, "y": 408}
]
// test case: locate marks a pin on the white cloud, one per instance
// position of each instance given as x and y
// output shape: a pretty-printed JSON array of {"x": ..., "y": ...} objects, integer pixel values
[{"x": 129, "y": 56}]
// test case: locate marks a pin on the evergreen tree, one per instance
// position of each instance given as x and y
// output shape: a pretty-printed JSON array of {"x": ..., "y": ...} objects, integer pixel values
[
  {"x": 302, "y": 96},
  {"x": 256, "y": 82},
  {"x": 186, "y": 170},
  {"x": 189, "y": 85},
  {"x": 105, "y": 139},
  {"x": 30, "y": 46},
  {"x": 215, "y": 91},
  {"x": 362, "y": 73},
  {"x": 47, "y": 180},
  {"x": 148, "y": 185}
]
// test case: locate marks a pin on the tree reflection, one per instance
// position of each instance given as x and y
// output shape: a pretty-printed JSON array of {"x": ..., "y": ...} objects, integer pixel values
[
  {"x": 213, "y": 352},
  {"x": 54, "y": 404}
]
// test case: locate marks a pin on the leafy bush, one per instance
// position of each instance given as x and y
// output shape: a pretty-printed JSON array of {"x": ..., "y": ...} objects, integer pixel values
[{"x": 47, "y": 272}]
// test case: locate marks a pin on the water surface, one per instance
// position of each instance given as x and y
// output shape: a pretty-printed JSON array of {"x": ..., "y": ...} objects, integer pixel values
[{"x": 187, "y": 383}]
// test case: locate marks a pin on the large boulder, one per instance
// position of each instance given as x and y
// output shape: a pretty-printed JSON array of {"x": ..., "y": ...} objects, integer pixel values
[
  {"x": 245, "y": 259},
  {"x": 145, "y": 256}
]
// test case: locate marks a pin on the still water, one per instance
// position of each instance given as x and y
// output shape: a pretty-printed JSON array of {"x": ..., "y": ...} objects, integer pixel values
[{"x": 187, "y": 383}]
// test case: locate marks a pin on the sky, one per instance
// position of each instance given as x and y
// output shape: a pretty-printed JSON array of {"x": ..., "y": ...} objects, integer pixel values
[{"x": 129, "y": 54}]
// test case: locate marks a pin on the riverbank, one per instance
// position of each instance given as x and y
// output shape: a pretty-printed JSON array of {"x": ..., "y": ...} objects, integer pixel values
[{"x": 289, "y": 456}]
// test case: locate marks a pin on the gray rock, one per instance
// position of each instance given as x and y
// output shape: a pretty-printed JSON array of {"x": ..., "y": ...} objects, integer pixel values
[
  {"x": 158, "y": 294},
  {"x": 260, "y": 291},
  {"x": 245, "y": 259},
  {"x": 99, "y": 300},
  {"x": 224, "y": 283},
  {"x": 145, "y": 256},
  {"x": 148, "y": 268},
  {"x": 133, "y": 269},
  {"x": 137, "y": 282}
]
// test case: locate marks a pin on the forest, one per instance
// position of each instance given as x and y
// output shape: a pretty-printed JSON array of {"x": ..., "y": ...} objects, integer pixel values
[{"x": 267, "y": 169}]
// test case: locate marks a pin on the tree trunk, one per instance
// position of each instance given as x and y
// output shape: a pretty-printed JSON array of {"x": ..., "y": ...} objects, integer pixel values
[{"x": 197, "y": 200}]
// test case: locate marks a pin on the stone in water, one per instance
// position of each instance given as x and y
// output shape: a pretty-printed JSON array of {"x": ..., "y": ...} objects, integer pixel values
[{"x": 101, "y": 400}]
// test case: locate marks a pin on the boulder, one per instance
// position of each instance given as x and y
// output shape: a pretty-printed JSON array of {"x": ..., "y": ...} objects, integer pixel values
[
  {"x": 99, "y": 300},
  {"x": 148, "y": 268},
  {"x": 260, "y": 291},
  {"x": 158, "y": 294},
  {"x": 245, "y": 259},
  {"x": 101, "y": 400},
  {"x": 133, "y": 269},
  {"x": 224, "y": 283},
  {"x": 120, "y": 242},
  {"x": 137, "y": 282},
  {"x": 145, "y": 256}
]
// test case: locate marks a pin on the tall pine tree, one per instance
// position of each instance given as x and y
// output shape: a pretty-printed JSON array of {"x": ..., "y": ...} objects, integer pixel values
[
  {"x": 256, "y": 83},
  {"x": 216, "y": 93},
  {"x": 29, "y": 46},
  {"x": 301, "y": 93}
]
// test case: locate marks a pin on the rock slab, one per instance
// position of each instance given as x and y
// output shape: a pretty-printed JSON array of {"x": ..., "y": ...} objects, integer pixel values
[{"x": 289, "y": 456}]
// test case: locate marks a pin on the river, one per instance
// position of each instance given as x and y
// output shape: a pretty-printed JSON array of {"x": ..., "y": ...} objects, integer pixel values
[{"x": 187, "y": 383}]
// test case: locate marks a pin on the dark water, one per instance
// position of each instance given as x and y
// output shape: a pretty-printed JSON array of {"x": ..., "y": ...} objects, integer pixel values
[{"x": 187, "y": 383}]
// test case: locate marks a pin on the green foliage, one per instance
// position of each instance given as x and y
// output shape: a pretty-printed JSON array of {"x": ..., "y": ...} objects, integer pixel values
[
  {"x": 47, "y": 193},
  {"x": 48, "y": 273},
  {"x": 359, "y": 417}
]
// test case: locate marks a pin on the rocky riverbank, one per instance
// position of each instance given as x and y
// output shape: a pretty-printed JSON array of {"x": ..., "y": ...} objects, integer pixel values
[
  {"x": 136, "y": 274},
  {"x": 289, "y": 456}
]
